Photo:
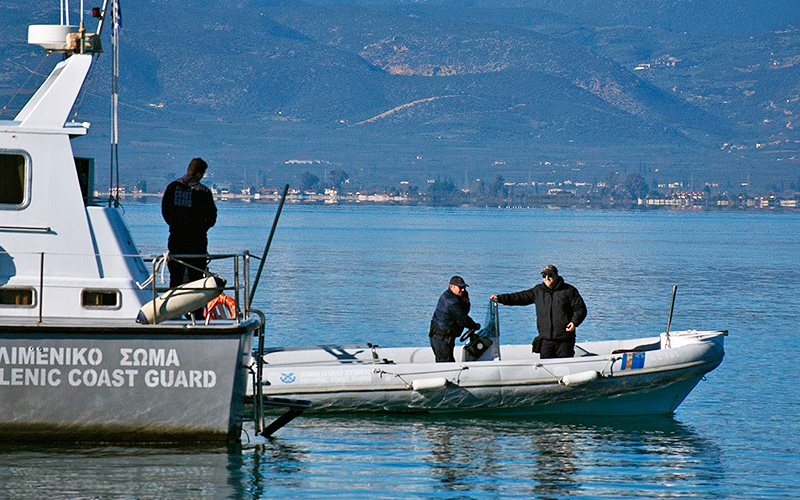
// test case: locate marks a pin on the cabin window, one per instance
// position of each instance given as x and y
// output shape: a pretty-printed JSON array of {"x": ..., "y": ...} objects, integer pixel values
[
  {"x": 12, "y": 179},
  {"x": 101, "y": 299},
  {"x": 16, "y": 297}
]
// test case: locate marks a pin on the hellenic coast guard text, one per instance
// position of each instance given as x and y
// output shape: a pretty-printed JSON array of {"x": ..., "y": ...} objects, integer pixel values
[{"x": 83, "y": 367}]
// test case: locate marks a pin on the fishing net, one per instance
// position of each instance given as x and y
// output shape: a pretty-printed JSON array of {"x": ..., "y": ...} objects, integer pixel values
[{"x": 484, "y": 344}]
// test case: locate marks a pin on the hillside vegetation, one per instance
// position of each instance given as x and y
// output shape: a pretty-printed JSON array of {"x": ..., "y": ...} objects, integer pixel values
[{"x": 409, "y": 91}]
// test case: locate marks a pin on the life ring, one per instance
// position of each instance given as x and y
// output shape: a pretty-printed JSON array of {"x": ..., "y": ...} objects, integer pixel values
[{"x": 220, "y": 307}]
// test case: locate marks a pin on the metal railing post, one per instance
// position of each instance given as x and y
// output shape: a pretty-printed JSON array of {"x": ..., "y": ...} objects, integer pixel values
[
  {"x": 155, "y": 309},
  {"x": 236, "y": 285},
  {"x": 246, "y": 272}
]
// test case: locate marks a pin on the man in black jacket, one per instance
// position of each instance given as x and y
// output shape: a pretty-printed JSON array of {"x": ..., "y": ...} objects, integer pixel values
[
  {"x": 188, "y": 207},
  {"x": 450, "y": 319},
  {"x": 559, "y": 310}
]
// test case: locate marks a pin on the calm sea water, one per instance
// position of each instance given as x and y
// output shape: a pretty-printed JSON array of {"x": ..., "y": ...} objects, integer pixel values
[{"x": 372, "y": 274}]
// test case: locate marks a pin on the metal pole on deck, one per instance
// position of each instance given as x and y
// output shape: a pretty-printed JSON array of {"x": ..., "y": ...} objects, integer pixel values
[
  {"x": 266, "y": 249},
  {"x": 259, "y": 375},
  {"x": 671, "y": 308},
  {"x": 258, "y": 388}
]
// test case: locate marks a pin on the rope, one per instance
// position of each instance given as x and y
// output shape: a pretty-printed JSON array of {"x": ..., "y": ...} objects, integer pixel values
[
  {"x": 610, "y": 366},
  {"x": 34, "y": 72},
  {"x": 539, "y": 365},
  {"x": 456, "y": 380},
  {"x": 603, "y": 373},
  {"x": 159, "y": 264},
  {"x": 458, "y": 375},
  {"x": 382, "y": 372},
  {"x": 83, "y": 92}
]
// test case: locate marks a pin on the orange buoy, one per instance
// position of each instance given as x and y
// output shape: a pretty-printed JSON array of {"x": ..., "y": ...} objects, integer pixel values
[{"x": 221, "y": 307}]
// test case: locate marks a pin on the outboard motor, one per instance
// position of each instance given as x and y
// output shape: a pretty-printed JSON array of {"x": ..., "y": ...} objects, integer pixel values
[{"x": 475, "y": 346}]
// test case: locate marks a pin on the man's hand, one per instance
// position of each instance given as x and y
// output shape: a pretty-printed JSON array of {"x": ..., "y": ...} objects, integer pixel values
[{"x": 570, "y": 326}]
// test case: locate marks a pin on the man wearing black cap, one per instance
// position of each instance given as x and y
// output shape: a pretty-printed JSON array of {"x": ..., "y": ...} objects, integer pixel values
[
  {"x": 450, "y": 319},
  {"x": 559, "y": 310}
]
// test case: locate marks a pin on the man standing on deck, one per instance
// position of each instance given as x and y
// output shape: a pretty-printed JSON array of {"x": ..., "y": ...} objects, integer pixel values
[
  {"x": 188, "y": 207},
  {"x": 559, "y": 310},
  {"x": 450, "y": 318}
]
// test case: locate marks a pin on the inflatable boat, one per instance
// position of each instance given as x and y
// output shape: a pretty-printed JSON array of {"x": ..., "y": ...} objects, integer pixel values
[{"x": 641, "y": 376}]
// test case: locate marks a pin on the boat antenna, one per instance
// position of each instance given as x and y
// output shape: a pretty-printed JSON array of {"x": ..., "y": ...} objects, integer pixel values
[
  {"x": 100, "y": 13},
  {"x": 116, "y": 24},
  {"x": 671, "y": 308},
  {"x": 266, "y": 248}
]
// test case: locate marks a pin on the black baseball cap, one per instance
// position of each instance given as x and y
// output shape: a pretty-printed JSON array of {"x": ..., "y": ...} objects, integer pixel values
[
  {"x": 550, "y": 269},
  {"x": 458, "y": 281}
]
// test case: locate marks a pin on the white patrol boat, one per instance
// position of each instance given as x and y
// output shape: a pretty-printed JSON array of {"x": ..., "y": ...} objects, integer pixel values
[
  {"x": 619, "y": 377},
  {"x": 74, "y": 363}
]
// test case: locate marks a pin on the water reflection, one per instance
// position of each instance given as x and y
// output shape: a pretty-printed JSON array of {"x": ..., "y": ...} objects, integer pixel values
[
  {"x": 83, "y": 471},
  {"x": 265, "y": 464},
  {"x": 554, "y": 471},
  {"x": 458, "y": 455},
  {"x": 489, "y": 455},
  {"x": 393, "y": 457},
  {"x": 471, "y": 457}
]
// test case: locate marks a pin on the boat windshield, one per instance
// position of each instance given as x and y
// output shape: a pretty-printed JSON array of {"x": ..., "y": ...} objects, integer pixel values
[
  {"x": 491, "y": 326},
  {"x": 489, "y": 331}
]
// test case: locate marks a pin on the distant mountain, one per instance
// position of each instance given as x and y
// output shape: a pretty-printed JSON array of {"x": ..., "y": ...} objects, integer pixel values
[
  {"x": 411, "y": 91},
  {"x": 695, "y": 16}
]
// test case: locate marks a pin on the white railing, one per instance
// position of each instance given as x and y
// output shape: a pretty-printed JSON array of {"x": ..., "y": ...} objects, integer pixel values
[
  {"x": 240, "y": 271},
  {"x": 239, "y": 268}
]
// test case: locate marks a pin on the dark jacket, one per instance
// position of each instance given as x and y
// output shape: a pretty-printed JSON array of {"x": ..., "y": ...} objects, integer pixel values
[
  {"x": 452, "y": 315},
  {"x": 555, "y": 307},
  {"x": 188, "y": 207}
]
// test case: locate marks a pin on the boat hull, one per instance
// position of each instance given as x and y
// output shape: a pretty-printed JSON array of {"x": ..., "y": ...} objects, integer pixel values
[
  {"x": 168, "y": 383},
  {"x": 637, "y": 382}
]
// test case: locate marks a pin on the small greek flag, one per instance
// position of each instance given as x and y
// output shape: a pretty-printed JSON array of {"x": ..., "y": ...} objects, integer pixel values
[
  {"x": 116, "y": 16},
  {"x": 633, "y": 360}
]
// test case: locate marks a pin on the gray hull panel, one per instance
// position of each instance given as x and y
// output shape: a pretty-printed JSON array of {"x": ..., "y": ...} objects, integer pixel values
[
  {"x": 141, "y": 384},
  {"x": 651, "y": 394}
]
